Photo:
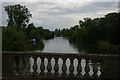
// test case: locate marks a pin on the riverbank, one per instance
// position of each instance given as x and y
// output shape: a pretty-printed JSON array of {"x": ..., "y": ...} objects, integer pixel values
[{"x": 107, "y": 47}]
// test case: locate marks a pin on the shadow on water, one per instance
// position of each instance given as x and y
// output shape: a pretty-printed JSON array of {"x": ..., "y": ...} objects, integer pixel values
[
  {"x": 95, "y": 48},
  {"x": 36, "y": 45},
  {"x": 85, "y": 48},
  {"x": 62, "y": 45}
]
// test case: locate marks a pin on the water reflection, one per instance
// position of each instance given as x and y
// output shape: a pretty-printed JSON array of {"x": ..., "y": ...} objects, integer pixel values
[
  {"x": 63, "y": 45},
  {"x": 33, "y": 46},
  {"x": 85, "y": 48},
  {"x": 58, "y": 45}
]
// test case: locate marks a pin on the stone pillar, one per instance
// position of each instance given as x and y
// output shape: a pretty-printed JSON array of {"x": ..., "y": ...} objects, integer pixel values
[
  {"x": 14, "y": 66},
  {"x": 27, "y": 65},
  {"x": 24, "y": 64},
  {"x": 31, "y": 64},
  {"x": 101, "y": 69},
  {"x": 16, "y": 63},
  {"x": 21, "y": 66}
]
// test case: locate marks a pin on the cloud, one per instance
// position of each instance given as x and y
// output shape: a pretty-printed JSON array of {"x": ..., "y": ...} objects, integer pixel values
[
  {"x": 0, "y": 13},
  {"x": 53, "y": 15},
  {"x": 60, "y": 0}
]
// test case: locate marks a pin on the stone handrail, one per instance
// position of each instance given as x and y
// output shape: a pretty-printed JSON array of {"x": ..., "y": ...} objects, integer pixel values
[{"x": 48, "y": 65}]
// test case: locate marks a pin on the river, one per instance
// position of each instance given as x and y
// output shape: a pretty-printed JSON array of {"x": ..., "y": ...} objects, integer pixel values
[{"x": 58, "y": 45}]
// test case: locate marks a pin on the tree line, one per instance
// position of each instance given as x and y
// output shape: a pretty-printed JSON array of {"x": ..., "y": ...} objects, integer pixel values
[
  {"x": 19, "y": 32},
  {"x": 91, "y": 31},
  {"x": 104, "y": 30}
]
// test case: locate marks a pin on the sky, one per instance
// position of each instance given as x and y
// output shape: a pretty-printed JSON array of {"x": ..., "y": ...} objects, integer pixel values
[{"x": 61, "y": 14}]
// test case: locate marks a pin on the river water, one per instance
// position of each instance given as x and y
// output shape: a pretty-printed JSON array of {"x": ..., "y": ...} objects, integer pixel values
[{"x": 58, "y": 45}]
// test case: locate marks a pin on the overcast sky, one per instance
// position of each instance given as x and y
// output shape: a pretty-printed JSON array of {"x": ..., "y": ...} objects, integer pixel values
[{"x": 62, "y": 14}]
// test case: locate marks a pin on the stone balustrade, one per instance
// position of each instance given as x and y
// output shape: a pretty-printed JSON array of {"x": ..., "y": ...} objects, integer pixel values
[{"x": 59, "y": 65}]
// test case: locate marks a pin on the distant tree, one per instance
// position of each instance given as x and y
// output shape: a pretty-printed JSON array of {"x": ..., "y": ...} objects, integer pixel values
[
  {"x": 18, "y": 15},
  {"x": 34, "y": 34},
  {"x": 65, "y": 32},
  {"x": 87, "y": 22},
  {"x": 41, "y": 31},
  {"x": 57, "y": 32},
  {"x": 75, "y": 27},
  {"x": 81, "y": 23},
  {"x": 48, "y": 34},
  {"x": 30, "y": 28}
]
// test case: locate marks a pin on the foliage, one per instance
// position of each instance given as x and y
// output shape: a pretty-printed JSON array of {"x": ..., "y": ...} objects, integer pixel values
[
  {"x": 48, "y": 34},
  {"x": 90, "y": 31},
  {"x": 88, "y": 34},
  {"x": 38, "y": 33},
  {"x": 18, "y": 15},
  {"x": 113, "y": 20},
  {"x": 13, "y": 40},
  {"x": 0, "y": 38},
  {"x": 17, "y": 37},
  {"x": 57, "y": 32}
]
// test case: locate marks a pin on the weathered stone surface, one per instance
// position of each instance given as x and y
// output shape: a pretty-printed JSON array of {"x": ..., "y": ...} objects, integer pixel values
[{"x": 16, "y": 67}]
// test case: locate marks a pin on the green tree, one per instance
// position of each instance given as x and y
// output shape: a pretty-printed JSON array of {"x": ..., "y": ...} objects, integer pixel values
[
  {"x": 34, "y": 34},
  {"x": 113, "y": 23},
  {"x": 18, "y": 15},
  {"x": 87, "y": 22},
  {"x": 57, "y": 32},
  {"x": 41, "y": 31},
  {"x": 13, "y": 40},
  {"x": 81, "y": 23},
  {"x": 30, "y": 28},
  {"x": 48, "y": 34}
]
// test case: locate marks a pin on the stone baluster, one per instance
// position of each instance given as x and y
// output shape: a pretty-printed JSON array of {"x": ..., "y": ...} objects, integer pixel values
[
  {"x": 35, "y": 65},
  {"x": 49, "y": 67},
  {"x": 56, "y": 67},
  {"x": 101, "y": 70},
  {"x": 38, "y": 64},
  {"x": 31, "y": 64},
  {"x": 21, "y": 67},
  {"x": 42, "y": 66},
  {"x": 87, "y": 68},
  {"x": 95, "y": 69},
  {"x": 64, "y": 67},
  {"x": 27, "y": 65},
  {"x": 24, "y": 65},
  {"x": 14, "y": 65},
  {"x": 79, "y": 68},
  {"x": 71, "y": 68},
  {"x": 91, "y": 67},
  {"x": 17, "y": 63}
]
